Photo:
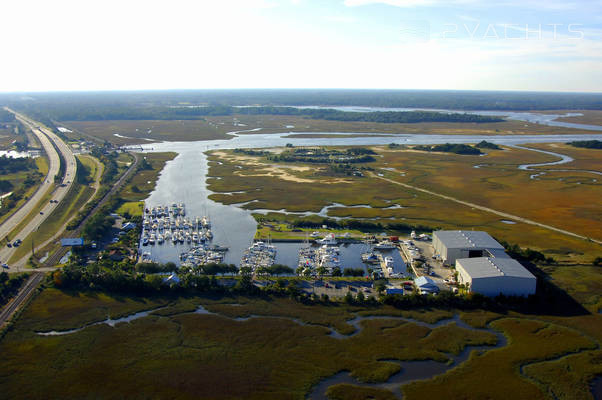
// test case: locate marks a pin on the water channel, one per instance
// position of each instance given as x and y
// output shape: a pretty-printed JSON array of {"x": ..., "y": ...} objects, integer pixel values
[
  {"x": 184, "y": 179},
  {"x": 410, "y": 370}
]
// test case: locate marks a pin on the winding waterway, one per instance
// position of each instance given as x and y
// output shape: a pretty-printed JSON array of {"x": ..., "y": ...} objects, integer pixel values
[
  {"x": 184, "y": 178},
  {"x": 410, "y": 370}
]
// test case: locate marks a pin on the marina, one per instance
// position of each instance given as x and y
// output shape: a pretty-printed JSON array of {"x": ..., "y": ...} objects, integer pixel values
[
  {"x": 237, "y": 226},
  {"x": 169, "y": 225},
  {"x": 258, "y": 255}
]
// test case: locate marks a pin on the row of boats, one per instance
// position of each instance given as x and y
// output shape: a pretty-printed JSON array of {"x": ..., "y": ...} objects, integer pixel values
[
  {"x": 166, "y": 211},
  {"x": 203, "y": 254},
  {"x": 321, "y": 261},
  {"x": 258, "y": 255},
  {"x": 169, "y": 224}
]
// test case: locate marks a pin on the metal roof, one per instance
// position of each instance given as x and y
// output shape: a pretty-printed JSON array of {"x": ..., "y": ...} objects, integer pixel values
[
  {"x": 425, "y": 281},
  {"x": 488, "y": 267},
  {"x": 467, "y": 239}
]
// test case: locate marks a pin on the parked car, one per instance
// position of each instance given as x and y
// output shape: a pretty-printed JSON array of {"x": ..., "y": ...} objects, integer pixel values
[
  {"x": 5, "y": 265},
  {"x": 16, "y": 243}
]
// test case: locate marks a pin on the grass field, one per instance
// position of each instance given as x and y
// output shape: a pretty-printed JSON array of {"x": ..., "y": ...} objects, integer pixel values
[
  {"x": 211, "y": 128},
  {"x": 178, "y": 354},
  {"x": 570, "y": 203},
  {"x": 143, "y": 182},
  {"x": 589, "y": 117},
  {"x": 133, "y": 208},
  {"x": 139, "y": 131},
  {"x": 17, "y": 180},
  {"x": 493, "y": 375}
]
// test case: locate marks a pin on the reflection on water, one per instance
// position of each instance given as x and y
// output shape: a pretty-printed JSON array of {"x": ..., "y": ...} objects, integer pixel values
[
  {"x": 410, "y": 370},
  {"x": 350, "y": 256},
  {"x": 183, "y": 178}
]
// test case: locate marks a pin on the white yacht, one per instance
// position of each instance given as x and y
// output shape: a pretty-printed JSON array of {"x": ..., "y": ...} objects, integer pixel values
[{"x": 328, "y": 240}]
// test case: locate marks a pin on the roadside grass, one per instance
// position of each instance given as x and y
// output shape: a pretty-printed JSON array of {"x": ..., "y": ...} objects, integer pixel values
[
  {"x": 17, "y": 180},
  {"x": 36, "y": 209},
  {"x": 568, "y": 377},
  {"x": 190, "y": 355},
  {"x": 64, "y": 211},
  {"x": 89, "y": 164},
  {"x": 493, "y": 374},
  {"x": 143, "y": 182},
  {"x": 75, "y": 199},
  {"x": 42, "y": 163}
]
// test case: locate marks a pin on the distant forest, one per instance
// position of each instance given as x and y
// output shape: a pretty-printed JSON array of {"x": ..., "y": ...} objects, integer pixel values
[
  {"x": 588, "y": 144},
  {"x": 450, "y": 148},
  {"x": 6, "y": 116},
  {"x": 457, "y": 100},
  {"x": 99, "y": 113}
]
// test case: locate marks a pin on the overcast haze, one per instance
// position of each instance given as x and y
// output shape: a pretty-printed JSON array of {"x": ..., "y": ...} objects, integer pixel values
[{"x": 399, "y": 44}]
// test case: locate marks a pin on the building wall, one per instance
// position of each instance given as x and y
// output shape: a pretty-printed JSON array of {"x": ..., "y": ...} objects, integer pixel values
[
  {"x": 506, "y": 285},
  {"x": 439, "y": 247},
  {"x": 463, "y": 276},
  {"x": 493, "y": 286}
]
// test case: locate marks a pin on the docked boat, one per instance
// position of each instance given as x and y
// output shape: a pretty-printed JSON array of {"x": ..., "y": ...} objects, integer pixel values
[
  {"x": 370, "y": 257},
  {"x": 385, "y": 245},
  {"x": 328, "y": 240}
]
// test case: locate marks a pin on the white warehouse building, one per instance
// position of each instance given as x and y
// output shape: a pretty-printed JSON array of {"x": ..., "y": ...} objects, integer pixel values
[
  {"x": 493, "y": 276},
  {"x": 452, "y": 245}
]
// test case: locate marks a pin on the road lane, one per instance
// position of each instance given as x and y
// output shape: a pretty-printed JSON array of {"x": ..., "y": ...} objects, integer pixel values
[{"x": 47, "y": 137}]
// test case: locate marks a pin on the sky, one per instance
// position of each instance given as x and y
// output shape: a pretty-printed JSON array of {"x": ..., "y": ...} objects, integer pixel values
[{"x": 534, "y": 45}]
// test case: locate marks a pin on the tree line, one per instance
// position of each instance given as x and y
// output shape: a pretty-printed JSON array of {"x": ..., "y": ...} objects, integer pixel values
[
  {"x": 99, "y": 112},
  {"x": 456, "y": 148},
  {"x": 587, "y": 144}
]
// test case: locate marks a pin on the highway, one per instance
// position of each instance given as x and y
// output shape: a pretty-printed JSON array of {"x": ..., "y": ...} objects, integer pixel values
[
  {"x": 55, "y": 258},
  {"x": 47, "y": 138}
]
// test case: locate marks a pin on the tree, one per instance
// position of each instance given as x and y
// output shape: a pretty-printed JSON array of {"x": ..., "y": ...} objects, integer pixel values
[
  {"x": 348, "y": 297},
  {"x": 597, "y": 262},
  {"x": 360, "y": 297},
  {"x": 279, "y": 269},
  {"x": 380, "y": 286}
]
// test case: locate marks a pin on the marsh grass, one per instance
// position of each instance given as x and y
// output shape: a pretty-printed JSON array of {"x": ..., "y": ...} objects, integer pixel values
[{"x": 177, "y": 354}]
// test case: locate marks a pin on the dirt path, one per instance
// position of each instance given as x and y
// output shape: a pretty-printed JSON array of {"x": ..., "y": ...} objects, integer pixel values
[{"x": 487, "y": 209}]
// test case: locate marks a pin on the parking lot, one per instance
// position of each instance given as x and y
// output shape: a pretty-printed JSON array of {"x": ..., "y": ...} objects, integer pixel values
[{"x": 430, "y": 266}]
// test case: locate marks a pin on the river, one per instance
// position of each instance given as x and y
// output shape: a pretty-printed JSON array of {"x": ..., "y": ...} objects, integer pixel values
[{"x": 183, "y": 178}]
